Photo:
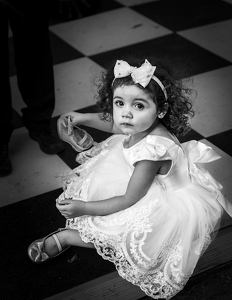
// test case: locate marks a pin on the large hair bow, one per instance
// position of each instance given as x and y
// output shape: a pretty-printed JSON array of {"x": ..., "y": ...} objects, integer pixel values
[{"x": 141, "y": 75}]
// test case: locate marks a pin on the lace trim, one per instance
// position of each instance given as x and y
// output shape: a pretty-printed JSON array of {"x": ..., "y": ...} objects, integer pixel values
[{"x": 159, "y": 277}]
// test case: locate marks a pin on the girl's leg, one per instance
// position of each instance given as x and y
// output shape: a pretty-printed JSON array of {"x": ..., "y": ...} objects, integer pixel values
[{"x": 67, "y": 238}]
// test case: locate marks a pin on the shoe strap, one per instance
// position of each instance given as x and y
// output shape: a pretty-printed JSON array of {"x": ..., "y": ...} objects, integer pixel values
[
  {"x": 57, "y": 242},
  {"x": 84, "y": 137}
]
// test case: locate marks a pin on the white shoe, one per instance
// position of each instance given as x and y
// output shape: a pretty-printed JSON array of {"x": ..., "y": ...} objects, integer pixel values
[{"x": 78, "y": 138}]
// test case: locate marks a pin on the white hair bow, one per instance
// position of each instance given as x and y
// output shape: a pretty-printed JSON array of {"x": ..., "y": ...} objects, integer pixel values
[{"x": 141, "y": 75}]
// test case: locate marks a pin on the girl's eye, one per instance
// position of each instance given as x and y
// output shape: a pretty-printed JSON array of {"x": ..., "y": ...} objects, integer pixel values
[
  {"x": 139, "y": 106},
  {"x": 118, "y": 103}
]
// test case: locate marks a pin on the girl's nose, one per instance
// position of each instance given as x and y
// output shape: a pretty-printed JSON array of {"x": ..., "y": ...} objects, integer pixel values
[{"x": 127, "y": 114}]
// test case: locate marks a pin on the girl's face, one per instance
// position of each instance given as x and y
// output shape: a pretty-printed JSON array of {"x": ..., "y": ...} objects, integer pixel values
[{"x": 133, "y": 110}]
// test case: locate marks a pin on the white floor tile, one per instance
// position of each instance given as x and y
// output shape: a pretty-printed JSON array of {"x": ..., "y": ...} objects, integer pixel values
[
  {"x": 222, "y": 171},
  {"x": 216, "y": 37},
  {"x": 34, "y": 172},
  {"x": 74, "y": 86},
  {"x": 109, "y": 30},
  {"x": 213, "y": 105},
  {"x": 74, "y": 81}
]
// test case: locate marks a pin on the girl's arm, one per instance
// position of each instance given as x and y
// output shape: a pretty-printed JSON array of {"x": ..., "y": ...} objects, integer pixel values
[
  {"x": 140, "y": 182},
  {"x": 91, "y": 120},
  {"x": 138, "y": 186}
]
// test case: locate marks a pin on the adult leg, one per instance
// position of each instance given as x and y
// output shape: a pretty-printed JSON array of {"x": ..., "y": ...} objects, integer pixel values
[
  {"x": 6, "y": 126},
  {"x": 35, "y": 76},
  {"x": 34, "y": 64}
]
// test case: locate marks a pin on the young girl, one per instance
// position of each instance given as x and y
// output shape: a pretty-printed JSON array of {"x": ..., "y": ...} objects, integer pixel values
[{"x": 139, "y": 197}]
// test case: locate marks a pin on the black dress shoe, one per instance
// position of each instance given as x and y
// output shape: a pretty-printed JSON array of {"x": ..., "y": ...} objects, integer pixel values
[
  {"x": 48, "y": 141},
  {"x": 5, "y": 164}
]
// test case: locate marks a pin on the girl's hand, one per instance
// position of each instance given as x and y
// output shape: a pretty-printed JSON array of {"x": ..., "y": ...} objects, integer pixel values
[
  {"x": 76, "y": 118},
  {"x": 71, "y": 208}
]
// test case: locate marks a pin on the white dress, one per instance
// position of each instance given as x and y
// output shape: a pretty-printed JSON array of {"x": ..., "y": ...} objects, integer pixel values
[{"x": 157, "y": 242}]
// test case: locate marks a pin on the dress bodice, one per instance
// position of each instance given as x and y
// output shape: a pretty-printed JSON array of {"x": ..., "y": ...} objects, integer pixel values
[
  {"x": 178, "y": 175},
  {"x": 157, "y": 148}
]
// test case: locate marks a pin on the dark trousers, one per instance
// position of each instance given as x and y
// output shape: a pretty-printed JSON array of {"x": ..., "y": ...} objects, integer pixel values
[{"x": 33, "y": 61}]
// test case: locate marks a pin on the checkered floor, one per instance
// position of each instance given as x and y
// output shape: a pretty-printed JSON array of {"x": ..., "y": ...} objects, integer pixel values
[{"x": 196, "y": 35}]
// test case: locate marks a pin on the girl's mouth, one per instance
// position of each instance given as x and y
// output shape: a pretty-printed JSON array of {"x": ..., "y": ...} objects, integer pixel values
[{"x": 126, "y": 124}]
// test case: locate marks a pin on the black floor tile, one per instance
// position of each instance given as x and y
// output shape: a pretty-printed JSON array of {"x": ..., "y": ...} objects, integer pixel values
[
  {"x": 106, "y": 5},
  {"x": 61, "y": 51},
  {"x": 223, "y": 141},
  {"x": 64, "y": 11},
  {"x": 191, "y": 135},
  {"x": 179, "y": 15},
  {"x": 16, "y": 120},
  {"x": 188, "y": 58},
  {"x": 22, "y": 223},
  {"x": 69, "y": 156}
]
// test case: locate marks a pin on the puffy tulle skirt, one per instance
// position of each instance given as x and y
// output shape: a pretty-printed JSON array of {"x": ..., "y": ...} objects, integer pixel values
[{"x": 157, "y": 242}]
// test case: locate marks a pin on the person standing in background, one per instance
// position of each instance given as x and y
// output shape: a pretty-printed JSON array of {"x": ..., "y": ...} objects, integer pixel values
[{"x": 33, "y": 59}]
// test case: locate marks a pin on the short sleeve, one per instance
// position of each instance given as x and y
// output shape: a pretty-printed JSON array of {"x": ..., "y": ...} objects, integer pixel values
[{"x": 153, "y": 148}]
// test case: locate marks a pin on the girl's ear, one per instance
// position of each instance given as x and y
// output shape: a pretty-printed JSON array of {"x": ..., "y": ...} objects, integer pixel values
[{"x": 164, "y": 111}]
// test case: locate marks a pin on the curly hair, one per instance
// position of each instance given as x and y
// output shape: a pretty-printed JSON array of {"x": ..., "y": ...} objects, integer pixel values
[{"x": 178, "y": 97}]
